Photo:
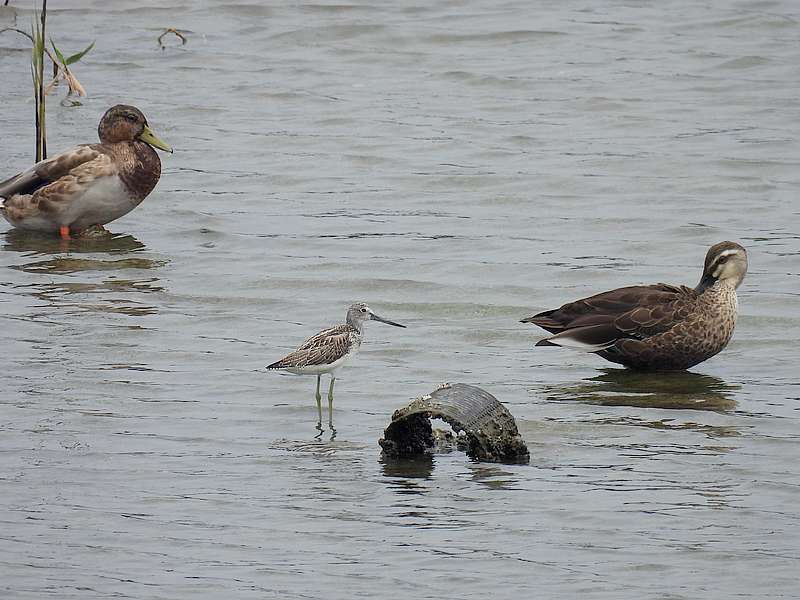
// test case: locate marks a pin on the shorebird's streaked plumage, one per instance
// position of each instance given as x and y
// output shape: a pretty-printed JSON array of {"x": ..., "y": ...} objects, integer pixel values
[
  {"x": 91, "y": 184},
  {"x": 655, "y": 327},
  {"x": 327, "y": 351}
]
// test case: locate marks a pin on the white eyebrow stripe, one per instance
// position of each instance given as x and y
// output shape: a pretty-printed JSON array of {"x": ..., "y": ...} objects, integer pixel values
[{"x": 728, "y": 252}]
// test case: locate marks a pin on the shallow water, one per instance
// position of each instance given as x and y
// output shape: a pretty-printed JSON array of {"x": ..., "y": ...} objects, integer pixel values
[{"x": 458, "y": 165}]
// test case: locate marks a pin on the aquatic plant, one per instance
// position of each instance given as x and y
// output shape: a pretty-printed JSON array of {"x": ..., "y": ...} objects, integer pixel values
[
  {"x": 61, "y": 72},
  {"x": 37, "y": 72}
]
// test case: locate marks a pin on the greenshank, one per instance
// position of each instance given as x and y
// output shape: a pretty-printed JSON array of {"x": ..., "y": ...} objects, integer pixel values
[{"x": 327, "y": 351}]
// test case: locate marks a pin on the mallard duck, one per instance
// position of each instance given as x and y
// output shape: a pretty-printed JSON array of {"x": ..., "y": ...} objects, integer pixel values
[
  {"x": 655, "y": 327},
  {"x": 328, "y": 350},
  {"x": 91, "y": 184}
]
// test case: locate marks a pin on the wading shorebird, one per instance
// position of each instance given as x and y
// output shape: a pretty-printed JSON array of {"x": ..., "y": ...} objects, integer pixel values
[
  {"x": 655, "y": 327},
  {"x": 91, "y": 184},
  {"x": 327, "y": 351}
]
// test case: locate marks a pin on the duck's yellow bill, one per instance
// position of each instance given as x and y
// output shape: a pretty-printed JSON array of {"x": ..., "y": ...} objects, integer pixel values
[{"x": 151, "y": 138}]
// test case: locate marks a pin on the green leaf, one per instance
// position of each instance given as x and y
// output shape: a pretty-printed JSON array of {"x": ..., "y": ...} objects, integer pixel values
[
  {"x": 79, "y": 55},
  {"x": 37, "y": 52},
  {"x": 38, "y": 42},
  {"x": 58, "y": 52}
]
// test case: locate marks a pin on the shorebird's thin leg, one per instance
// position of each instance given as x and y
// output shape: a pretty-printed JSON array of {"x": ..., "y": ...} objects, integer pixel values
[
  {"x": 319, "y": 402},
  {"x": 330, "y": 403}
]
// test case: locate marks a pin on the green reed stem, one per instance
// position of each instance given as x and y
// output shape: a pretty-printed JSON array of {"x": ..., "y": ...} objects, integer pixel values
[{"x": 37, "y": 70}]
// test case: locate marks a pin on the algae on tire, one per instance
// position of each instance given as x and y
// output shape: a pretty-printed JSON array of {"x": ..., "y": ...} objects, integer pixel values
[{"x": 490, "y": 430}]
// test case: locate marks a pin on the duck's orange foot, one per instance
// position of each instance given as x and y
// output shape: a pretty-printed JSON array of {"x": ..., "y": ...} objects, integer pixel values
[{"x": 63, "y": 231}]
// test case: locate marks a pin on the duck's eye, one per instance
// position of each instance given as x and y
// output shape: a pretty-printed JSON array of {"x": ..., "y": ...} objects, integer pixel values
[
  {"x": 363, "y": 310},
  {"x": 722, "y": 260},
  {"x": 131, "y": 118}
]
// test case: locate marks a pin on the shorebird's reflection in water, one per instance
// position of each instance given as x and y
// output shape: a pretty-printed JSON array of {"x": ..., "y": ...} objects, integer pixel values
[{"x": 321, "y": 430}]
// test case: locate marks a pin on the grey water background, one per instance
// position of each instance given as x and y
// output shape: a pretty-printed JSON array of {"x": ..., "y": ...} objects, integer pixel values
[{"x": 458, "y": 165}]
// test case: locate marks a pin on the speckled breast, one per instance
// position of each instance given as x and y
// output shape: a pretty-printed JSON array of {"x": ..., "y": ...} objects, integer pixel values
[
  {"x": 141, "y": 168},
  {"x": 704, "y": 333}
]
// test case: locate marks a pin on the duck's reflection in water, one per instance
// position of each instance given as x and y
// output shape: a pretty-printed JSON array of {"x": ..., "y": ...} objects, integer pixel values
[
  {"x": 100, "y": 257},
  {"x": 680, "y": 390},
  {"x": 98, "y": 297},
  {"x": 20, "y": 240}
]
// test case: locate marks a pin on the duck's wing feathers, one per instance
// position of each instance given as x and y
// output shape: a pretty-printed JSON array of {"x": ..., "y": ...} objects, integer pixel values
[
  {"x": 48, "y": 171},
  {"x": 324, "y": 348},
  {"x": 597, "y": 322},
  {"x": 53, "y": 190}
]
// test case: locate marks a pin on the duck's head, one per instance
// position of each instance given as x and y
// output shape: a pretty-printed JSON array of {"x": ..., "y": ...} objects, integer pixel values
[
  {"x": 360, "y": 312},
  {"x": 726, "y": 261},
  {"x": 123, "y": 123}
]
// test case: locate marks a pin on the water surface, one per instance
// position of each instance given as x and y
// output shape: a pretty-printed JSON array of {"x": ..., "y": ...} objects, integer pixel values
[{"x": 459, "y": 166}]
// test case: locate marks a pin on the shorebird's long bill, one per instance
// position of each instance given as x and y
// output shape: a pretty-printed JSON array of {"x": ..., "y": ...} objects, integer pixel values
[
  {"x": 151, "y": 138},
  {"x": 382, "y": 320}
]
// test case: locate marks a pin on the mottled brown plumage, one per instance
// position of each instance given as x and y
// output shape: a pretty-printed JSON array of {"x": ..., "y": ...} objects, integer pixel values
[
  {"x": 328, "y": 350},
  {"x": 91, "y": 184},
  {"x": 321, "y": 350},
  {"x": 655, "y": 327}
]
